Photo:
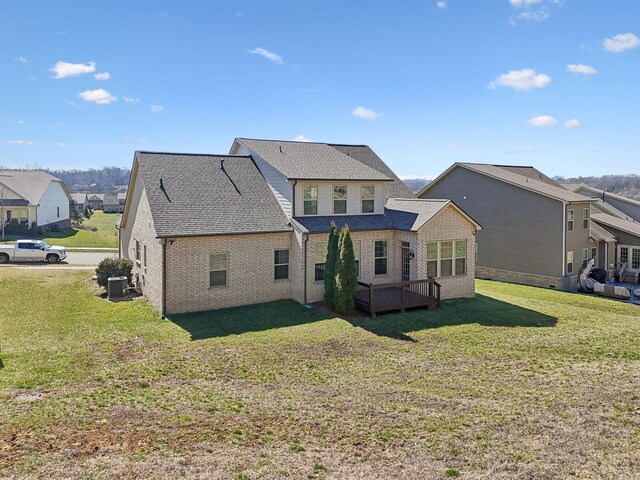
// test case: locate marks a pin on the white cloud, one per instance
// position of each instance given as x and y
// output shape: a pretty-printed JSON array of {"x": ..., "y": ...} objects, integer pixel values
[
  {"x": 19, "y": 142},
  {"x": 64, "y": 69},
  {"x": 301, "y": 138},
  {"x": 441, "y": 4},
  {"x": 20, "y": 59},
  {"x": 538, "y": 15},
  {"x": 454, "y": 145},
  {"x": 525, "y": 79},
  {"x": 263, "y": 52},
  {"x": 366, "y": 113},
  {"x": 573, "y": 123},
  {"x": 20, "y": 122},
  {"x": 102, "y": 76},
  {"x": 99, "y": 96},
  {"x": 157, "y": 108},
  {"x": 621, "y": 42},
  {"x": 543, "y": 121},
  {"x": 60, "y": 144},
  {"x": 71, "y": 104},
  {"x": 582, "y": 69},
  {"x": 524, "y": 3},
  {"x": 527, "y": 149},
  {"x": 131, "y": 100}
]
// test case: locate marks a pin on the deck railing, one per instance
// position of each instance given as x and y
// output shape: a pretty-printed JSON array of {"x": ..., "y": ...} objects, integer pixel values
[{"x": 397, "y": 296}]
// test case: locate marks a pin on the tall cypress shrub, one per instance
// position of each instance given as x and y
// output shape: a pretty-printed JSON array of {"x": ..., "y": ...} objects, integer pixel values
[
  {"x": 346, "y": 274},
  {"x": 330, "y": 267}
]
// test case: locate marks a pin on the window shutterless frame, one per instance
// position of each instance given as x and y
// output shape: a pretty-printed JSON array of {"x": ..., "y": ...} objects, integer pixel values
[
  {"x": 310, "y": 200},
  {"x": 367, "y": 198},
  {"x": 218, "y": 269},
  {"x": 570, "y": 219},
  {"x": 339, "y": 199},
  {"x": 281, "y": 264}
]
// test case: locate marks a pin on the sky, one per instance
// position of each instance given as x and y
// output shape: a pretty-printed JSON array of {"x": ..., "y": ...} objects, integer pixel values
[{"x": 549, "y": 83}]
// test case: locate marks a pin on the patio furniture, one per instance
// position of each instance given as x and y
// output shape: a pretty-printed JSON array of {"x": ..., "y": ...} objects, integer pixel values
[{"x": 611, "y": 291}]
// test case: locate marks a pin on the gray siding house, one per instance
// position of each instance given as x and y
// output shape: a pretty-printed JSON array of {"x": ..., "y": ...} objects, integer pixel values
[
  {"x": 215, "y": 231},
  {"x": 534, "y": 231},
  {"x": 626, "y": 205}
]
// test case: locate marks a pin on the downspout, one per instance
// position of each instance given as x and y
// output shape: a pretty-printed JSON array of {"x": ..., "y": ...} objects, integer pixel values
[
  {"x": 305, "y": 238},
  {"x": 164, "y": 277},
  {"x": 293, "y": 207},
  {"x": 564, "y": 238}
]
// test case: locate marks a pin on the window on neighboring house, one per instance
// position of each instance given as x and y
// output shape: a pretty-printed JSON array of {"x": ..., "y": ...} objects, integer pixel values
[
  {"x": 145, "y": 257},
  {"x": 594, "y": 252},
  {"x": 570, "y": 220},
  {"x": 311, "y": 200},
  {"x": 446, "y": 258},
  {"x": 635, "y": 258},
  {"x": 585, "y": 218},
  {"x": 218, "y": 267},
  {"x": 58, "y": 212},
  {"x": 624, "y": 254},
  {"x": 585, "y": 254},
  {"x": 281, "y": 264},
  {"x": 320, "y": 260},
  {"x": 570, "y": 262},
  {"x": 339, "y": 199},
  {"x": 368, "y": 195},
  {"x": 380, "y": 253},
  {"x": 137, "y": 252},
  {"x": 356, "y": 254}
]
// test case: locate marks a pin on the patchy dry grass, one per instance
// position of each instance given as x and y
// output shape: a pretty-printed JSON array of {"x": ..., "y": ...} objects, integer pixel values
[{"x": 517, "y": 383}]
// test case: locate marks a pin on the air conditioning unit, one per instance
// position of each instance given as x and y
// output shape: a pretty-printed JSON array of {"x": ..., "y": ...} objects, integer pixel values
[{"x": 116, "y": 287}]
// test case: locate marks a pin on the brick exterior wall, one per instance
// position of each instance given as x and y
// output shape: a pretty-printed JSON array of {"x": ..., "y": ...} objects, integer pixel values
[
  {"x": 139, "y": 227},
  {"x": 449, "y": 224},
  {"x": 249, "y": 276}
]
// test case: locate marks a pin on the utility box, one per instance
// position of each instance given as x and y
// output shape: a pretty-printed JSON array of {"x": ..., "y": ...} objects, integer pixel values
[
  {"x": 565, "y": 283},
  {"x": 116, "y": 287}
]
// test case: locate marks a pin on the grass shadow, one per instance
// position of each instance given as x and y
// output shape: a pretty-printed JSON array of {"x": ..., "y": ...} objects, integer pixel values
[
  {"x": 250, "y": 318},
  {"x": 481, "y": 310}
]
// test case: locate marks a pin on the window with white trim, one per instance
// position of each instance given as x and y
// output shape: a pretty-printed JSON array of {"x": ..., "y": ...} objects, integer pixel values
[
  {"x": 138, "y": 252},
  {"x": 218, "y": 269},
  {"x": 624, "y": 254},
  {"x": 320, "y": 260},
  {"x": 446, "y": 258},
  {"x": 635, "y": 258},
  {"x": 339, "y": 199},
  {"x": 585, "y": 218},
  {"x": 311, "y": 200},
  {"x": 570, "y": 218},
  {"x": 570, "y": 262},
  {"x": 585, "y": 254},
  {"x": 594, "y": 252},
  {"x": 367, "y": 198},
  {"x": 281, "y": 264},
  {"x": 58, "y": 212},
  {"x": 381, "y": 257}
]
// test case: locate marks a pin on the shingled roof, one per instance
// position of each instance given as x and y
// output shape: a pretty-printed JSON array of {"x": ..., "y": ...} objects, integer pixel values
[
  {"x": 617, "y": 223},
  {"x": 29, "y": 184},
  {"x": 524, "y": 178},
  {"x": 312, "y": 161},
  {"x": 362, "y": 153},
  {"x": 198, "y": 195}
]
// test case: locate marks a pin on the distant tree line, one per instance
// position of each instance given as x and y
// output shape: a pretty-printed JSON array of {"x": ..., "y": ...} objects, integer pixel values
[
  {"x": 626, "y": 185},
  {"x": 93, "y": 180}
]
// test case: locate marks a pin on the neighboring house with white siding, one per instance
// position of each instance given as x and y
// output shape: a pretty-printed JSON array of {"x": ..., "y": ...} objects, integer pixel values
[
  {"x": 34, "y": 196},
  {"x": 215, "y": 231},
  {"x": 535, "y": 232}
]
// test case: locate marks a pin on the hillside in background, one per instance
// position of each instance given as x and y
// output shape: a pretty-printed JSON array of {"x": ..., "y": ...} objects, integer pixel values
[
  {"x": 103, "y": 180},
  {"x": 626, "y": 185},
  {"x": 416, "y": 184}
]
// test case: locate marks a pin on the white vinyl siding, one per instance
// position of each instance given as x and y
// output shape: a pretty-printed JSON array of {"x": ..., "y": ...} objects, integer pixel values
[{"x": 326, "y": 197}]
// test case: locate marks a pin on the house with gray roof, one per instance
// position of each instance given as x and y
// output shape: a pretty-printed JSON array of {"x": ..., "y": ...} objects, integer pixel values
[
  {"x": 535, "y": 232},
  {"x": 215, "y": 231},
  {"x": 82, "y": 200},
  {"x": 614, "y": 214},
  {"x": 34, "y": 196}
]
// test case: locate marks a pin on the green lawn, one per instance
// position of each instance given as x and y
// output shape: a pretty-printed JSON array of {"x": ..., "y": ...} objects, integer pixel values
[
  {"x": 519, "y": 382},
  {"x": 106, "y": 236}
]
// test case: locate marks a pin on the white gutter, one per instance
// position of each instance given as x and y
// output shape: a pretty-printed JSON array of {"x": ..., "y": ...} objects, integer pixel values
[{"x": 564, "y": 237}]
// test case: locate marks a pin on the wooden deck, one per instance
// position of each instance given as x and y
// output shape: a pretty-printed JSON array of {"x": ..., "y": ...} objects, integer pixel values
[{"x": 397, "y": 296}]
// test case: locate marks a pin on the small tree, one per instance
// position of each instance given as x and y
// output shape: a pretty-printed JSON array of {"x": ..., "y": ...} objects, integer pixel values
[
  {"x": 75, "y": 213},
  {"x": 330, "y": 267},
  {"x": 112, "y": 267},
  {"x": 346, "y": 274}
]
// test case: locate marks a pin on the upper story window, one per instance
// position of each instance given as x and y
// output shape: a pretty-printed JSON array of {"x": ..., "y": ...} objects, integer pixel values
[
  {"x": 585, "y": 218},
  {"x": 368, "y": 195},
  {"x": 339, "y": 199},
  {"x": 58, "y": 212},
  {"x": 570, "y": 218},
  {"x": 311, "y": 200}
]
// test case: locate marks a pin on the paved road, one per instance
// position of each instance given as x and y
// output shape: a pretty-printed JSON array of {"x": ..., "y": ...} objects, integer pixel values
[{"x": 82, "y": 260}]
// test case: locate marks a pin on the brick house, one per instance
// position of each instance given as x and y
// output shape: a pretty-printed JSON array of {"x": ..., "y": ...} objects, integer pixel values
[{"x": 215, "y": 231}]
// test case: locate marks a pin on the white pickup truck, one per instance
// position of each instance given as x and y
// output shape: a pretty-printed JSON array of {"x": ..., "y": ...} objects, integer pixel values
[{"x": 31, "y": 251}]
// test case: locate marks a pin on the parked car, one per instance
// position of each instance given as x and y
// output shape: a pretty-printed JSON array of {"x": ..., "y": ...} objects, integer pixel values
[{"x": 32, "y": 251}]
